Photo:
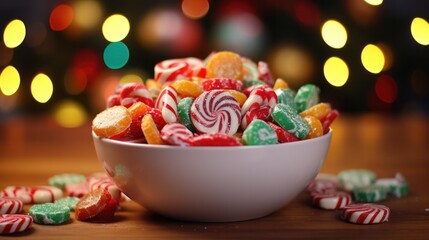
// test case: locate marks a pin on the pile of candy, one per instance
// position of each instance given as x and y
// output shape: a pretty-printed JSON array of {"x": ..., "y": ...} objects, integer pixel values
[
  {"x": 95, "y": 198},
  {"x": 225, "y": 100},
  {"x": 330, "y": 191}
]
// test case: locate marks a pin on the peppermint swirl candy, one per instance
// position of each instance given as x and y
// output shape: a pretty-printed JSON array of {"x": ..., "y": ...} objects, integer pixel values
[
  {"x": 176, "y": 134},
  {"x": 10, "y": 205},
  {"x": 167, "y": 102},
  {"x": 332, "y": 200},
  {"x": 170, "y": 70},
  {"x": 13, "y": 223},
  {"x": 135, "y": 92},
  {"x": 216, "y": 111},
  {"x": 366, "y": 213}
]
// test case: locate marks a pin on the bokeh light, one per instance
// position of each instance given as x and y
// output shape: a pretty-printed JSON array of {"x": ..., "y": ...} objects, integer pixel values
[
  {"x": 336, "y": 71},
  {"x": 88, "y": 13},
  {"x": 9, "y": 80},
  {"x": 386, "y": 88},
  {"x": 70, "y": 114},
  {"x": 372, "y": 58},
  {"x": 61, "y": 17},
  {"x": 116, "y": 55},
  {"x": 307, "y": 13},
  {"x": 116, "y": 28},
  {"x": 195, "y": 9},
  {"x": 420, "y": 31},
  {"x": 374, "y": 2},
  {"x": 131, "y": 78},
  {"x": 334, "y": 34},
  {"x": 14, "y": 33},
  {"x": 42, "y": 88},
  {"x": 388, "y": 55}
]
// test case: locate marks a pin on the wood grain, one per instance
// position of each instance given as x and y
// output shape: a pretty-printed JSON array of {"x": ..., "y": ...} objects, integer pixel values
[{"x": 33, "y": 149}]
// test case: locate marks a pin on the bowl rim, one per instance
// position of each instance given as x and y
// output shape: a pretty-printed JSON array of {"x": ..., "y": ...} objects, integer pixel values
[{"x": 217, "y": 148}]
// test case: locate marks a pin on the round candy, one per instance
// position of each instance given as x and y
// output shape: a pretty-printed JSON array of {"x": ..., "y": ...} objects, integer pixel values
[
  {"x": 150, "y": 130},
  {"x": 214, "y": 139},
  {"x": 250, "y": 69},
  {"x": 92, "y": 204},
  {"x": 306, "y": 97},
  {"x": 280, "y": 84},
  {"x": 76, "y": 190},
  {"x": 14, "y": 223},
  {"x": 184, "y": 112},
  {"x": 259, "y": 133},
  {"x": 176, "y": 134},
  {"x": 396, "y": 186},
  {"x": 349, "y": 179},
  {"x": 265, "y": 73},
  {"x": 112, "y": 121},
  {"x": 225, "y": 65},
  {"x": 221, "y": 83},
  {"x": 324, "y": 183},
  {"x": 366, "y": 213},
  {"x": 283, "y": 135},
  {"x": 286, "y": 96},
  {"x": 316, "y": 128},
  {"x": 370, "y": 193},
  {"x": 187, "y": 88},
  {"x": 135, "y": 92},
  {"x": 327, "y": 121},
  {"x": 45, "y": 194},
  {"x": 170, "y": 70},
  {"x": 167, "y": 103},
  {"x": 104, "y": 182},
  {"x": 332, "y": 200},
  {"x": 239, "y": 96},
  {"x": 196, "y": 67},
  {"x": 61, "y": 180},
  {"x": 319, "y": 111},
  {"x": 22, "y": 193},
  {"x": 157, "y": 117},
  {"x": 216, "y": 111},
  {"x": 288, "y": 119},
  {"x": 49, "y": 213},
  {"x": 261, "y": 113},
  {"x": 10, "y": 205},
  {"x": 69, "y": 202}
]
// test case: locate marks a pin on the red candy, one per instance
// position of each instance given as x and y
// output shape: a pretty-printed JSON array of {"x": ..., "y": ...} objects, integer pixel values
[
  {"x": 167, "y": 103},
  {"x": 113, "y": 100},
  {"x": 265, "y": 73},
  {"x": 170, "y": 70},
  {"x": 255, "y": 100},
  {"x": 92, "y": 204},
  {"x": 262, "y": 113},
  {"x": 366, "y": 213},
  {"x": 176, "y": 134},
  {"x": 196, "y": 67},
  {"x": 13, "y": 223},
  {"x": 283, "y": 135},
  {"x": 157, "y": 117},
  {"x": 221, "y": 83},
  {"x": 10, "y": 205},
  {"x": 107, "y": 214},
  {"x": 333, "y": 200},
  {"x": 329, "y": 119},
  {"x": 77, "y": 190},
  {"x": 135, "y": 92},
  {"x": 106, "y": 183},
  {"x": 214, "y": 139}
]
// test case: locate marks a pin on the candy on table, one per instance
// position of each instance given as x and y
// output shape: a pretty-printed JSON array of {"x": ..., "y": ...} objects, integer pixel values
[
  {"x": 365, "y": 213},
  {"x": 225, "y": 65},
  {"x": 306, "y": 97},
  {"x": 76, "y": 190},
  {"x": 283, "y": 136},
  {"x": 370, "y": 193},
  {"x": 316, "y": 128},
  {"x": 167, "y": 103},
  {"x": 239, "y": 96},
  {"x": 22, "y": 193},
  {"x": 45, "y": 194},
  {"x": 187, "y": 88},
  {"x": 10, "y": 205},
  {"x": 150, "y": 130},
  {"x": 280, "y": 84},
  {"x": 289, "y": 119},
  {"x": 331, "y": 200},
  {"x": 327, "y": 121},
  {"x": 250, "y": 69},
  {"x": 49, "y": 213},
  {"x": 92, "y": 204},
  {"x": 184, "y": 112},
  {"x": 221, "y": 83},
  {"x": 349, "y": 179},
  {"x": 135, "y": 92},
  {"x": 61, "y": 180},
  {"x": 262, "y": 113},
  {"x": 265, "y": 73},
  {"x": 104, "y": 182},
  {"x": 14, "y": 223},
  {"x": 324, "y": 183},
  {"x": 107, "y": 214},
  {"x": 170, "y": 70},
  {"x": 216, "y": 111},
  {"x": 214, "y": 139},
  {"x": 286, "y": 96},
  {"x": 396, "y": 186},
  {"x": 112, "y": 122},
  {"x": 319, "y": 111},
  {"x": 69, "y": 202},
  {"x": 176, "y": 134},
  {"x": 259, "y": 133}
]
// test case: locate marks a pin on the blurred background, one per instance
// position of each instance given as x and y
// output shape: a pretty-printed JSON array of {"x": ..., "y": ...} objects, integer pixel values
[{"x": 62, "y": 59}]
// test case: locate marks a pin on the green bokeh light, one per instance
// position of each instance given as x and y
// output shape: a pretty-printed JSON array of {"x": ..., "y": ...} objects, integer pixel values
[{"x": 116, "y": 55}]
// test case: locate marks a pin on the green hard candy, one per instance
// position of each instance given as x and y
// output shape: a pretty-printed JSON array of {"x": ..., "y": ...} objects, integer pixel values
[
  {"x": 396, "y": 187},
  {"x": 69, "y": 202},
  {"x": 370, "y": 193},
  {"x": 61, "y": 180},
  {"x": 289, "y": 119},
  {"x": 49, "y": 213},
  {"x": 350, "y": 179},
  {"x": 306, "y": 97},
  {"x": 253, "y": 83},
  {"x": 259, "y": 133},
  {"x": 286, "y": 96},
  {"x": 183, "y": 111}
]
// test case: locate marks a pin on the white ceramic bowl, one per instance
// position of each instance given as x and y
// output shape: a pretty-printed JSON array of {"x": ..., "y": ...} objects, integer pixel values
[{"x": 212, "y": 184}]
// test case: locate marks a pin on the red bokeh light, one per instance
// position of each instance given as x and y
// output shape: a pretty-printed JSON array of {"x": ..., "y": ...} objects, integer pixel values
[
  {"x": 386, "y": 88},
  {"x": 61, "y": 17}
]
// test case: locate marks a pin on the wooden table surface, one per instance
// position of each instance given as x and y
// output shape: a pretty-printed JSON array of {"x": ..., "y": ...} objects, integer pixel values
[{"x": 33, "y": 149}]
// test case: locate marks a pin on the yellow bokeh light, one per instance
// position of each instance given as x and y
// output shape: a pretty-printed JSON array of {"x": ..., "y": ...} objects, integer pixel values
[
  {"x": 334, "y": 34},
  {"x": 70, "y": 114},
  {"x": 420, "y": 31},
  {"x": 131, "y": 78},
  {"x": 9, "y": 80},
  {"x": 372, "y": 58},
  {"x": 14, "y": 33},
  {"x": 115, "y": 28},
  {"x": 88, "y": 13},
  {"x": 336, "y": 71},
  {"x": 42, "y": 88},
  {"x": 374, "y": 2}
]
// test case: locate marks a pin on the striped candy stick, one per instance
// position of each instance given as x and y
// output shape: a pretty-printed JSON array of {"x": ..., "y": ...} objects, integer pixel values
[
  {"x": 261, "y": 113},
  {"x": 255, "y": 100},
  {"x": 167, "y": 102}
]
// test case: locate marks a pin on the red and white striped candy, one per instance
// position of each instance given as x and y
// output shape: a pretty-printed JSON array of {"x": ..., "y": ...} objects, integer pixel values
[
  {"x": 366, "y": 213},
  {"x": 216, "y": 111},
  {"x": 23, "y": 193},
  {"x": 270, "y": 97},
  {"x": 45, "y": 194},
  {"x": 255, "y": 100},
  {"x": 334, "y": 200},
  {"x": 176, "y": 134},
  {"x": 196, "y": 67},
  {"x": 323, "y": 183},
  {"x": 221, "y": 83},
  {"x": 104, "y": 182},
  {"x": 77, "y": 189},
  {"x": 167, "y": 103},
  {"x": 135, "y": 92},
  {"x": 10, "y": 205},
  {"x": 262, "y": 113},
  {"x": 265, "y": 73},
  {"x": 113, "y": 100},
  {"x": 170, "y": 70},
  {"x": 13, "y": 223}
]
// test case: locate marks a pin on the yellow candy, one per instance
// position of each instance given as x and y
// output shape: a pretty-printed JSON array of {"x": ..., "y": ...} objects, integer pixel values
[
  {"x": 225, "y": 65},
  {"x": 316, "y": 127},
  {"x": 280, "y": 83},
  {"x": 186, "y": 88},
  {"x": 150, "y": 131},
  {"x": 318, "y": 111},
  {"x": 154, "y": 87},
  {"x": 111, "y": 122},
  {"x": 239, "y": 96}
]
